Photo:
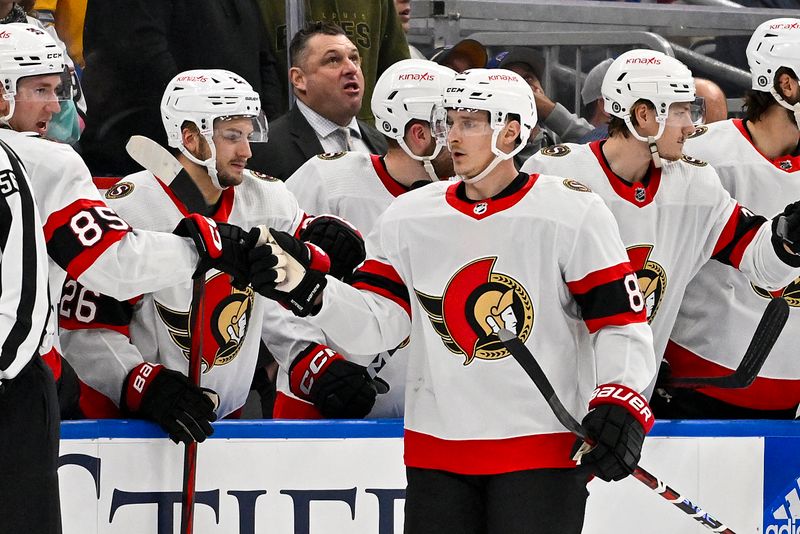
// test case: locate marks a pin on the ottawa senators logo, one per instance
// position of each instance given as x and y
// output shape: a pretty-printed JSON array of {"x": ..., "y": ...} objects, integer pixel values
[
  {"x": 652, "y": 278},
  {"x": 120, "y": 190},
  {"x": 700, "y": 130},
  {"x": 226, "y": 317},
  {"x": 331, "y": 155},
  {"x": 556, "y": 151},
  {"x": 575, "y": 185},
  {"x": 262, "y": 176},
  {"x": 790, "y": 293},
  {"x": 475, "y": 305},
  {"x": 694, "y": 161}
]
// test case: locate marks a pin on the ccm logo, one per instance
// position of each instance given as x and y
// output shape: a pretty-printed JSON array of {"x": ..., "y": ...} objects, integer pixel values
[{"x": 625, "y": 396}]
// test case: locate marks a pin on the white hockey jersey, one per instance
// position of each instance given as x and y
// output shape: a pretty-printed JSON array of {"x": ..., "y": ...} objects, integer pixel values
[
  {"x": 85, "y": 238},
  {"x": 357, "y": 187},
  {"x": 104, "y": 338},
  {"x": 671, "y": 224},
  {"x": 721, "y": 308},
  {"x": 544, "y": 260}
]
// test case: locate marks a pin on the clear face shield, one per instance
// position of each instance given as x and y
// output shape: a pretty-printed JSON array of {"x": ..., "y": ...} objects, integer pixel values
[
  {"x": 235, "y": 128},
  {"x": 684, "y": 114},
  {"x": 41, "y": 88}
]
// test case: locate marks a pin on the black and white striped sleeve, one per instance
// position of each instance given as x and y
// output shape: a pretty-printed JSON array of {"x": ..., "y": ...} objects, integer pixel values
[{"x": 24, "y": 301}]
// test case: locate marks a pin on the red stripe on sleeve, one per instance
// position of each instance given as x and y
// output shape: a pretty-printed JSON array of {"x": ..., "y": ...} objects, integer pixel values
[
  {"x": 61, "y": 217},
  {"x": 384, "y": 270},
  {"x": 73, "y": 324},
  {"x": 741, "y": 246},
  {"x": 728, "y": 232},
  {"x": 620, "y": 319},
  {"x": 598, "y": 278},
  {"x": 403, "y": 303},
  {"x": 85, "y": 259}
]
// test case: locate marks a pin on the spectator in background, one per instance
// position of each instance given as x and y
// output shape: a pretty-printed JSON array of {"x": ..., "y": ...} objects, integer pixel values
[
  {"x": 404, "y": 12},
  {"x": 373, "y": 25},
  {"x": 593, "y": 101},
  {"x": 134, "y": 47},
  {"x": 329, "y": 86},
  {"x": 67, "y": 17},
  {"x": 715, "y": 101},
  {"x": 465, "y": 54}
]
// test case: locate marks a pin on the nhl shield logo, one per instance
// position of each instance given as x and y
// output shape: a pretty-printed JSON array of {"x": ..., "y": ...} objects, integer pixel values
[
  {"x": 480, "y": 208},
  {"x": 475, "y": 305},
  {"x": 640, "y": 194}
]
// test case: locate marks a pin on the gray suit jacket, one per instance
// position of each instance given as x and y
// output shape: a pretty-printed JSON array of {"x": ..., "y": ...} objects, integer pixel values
[{"x": 292, "y": 142}]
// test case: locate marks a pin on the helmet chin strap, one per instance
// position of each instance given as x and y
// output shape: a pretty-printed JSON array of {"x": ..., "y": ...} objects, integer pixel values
[
  {"x": 794, "y": 108},
  {"x": 210, "y": 164},
  {"x": 426, "y": 160},
  {"x": 499, "y": 156},
  {"x": 650, "y": 140},
  {"x": 8, "y": 97}
]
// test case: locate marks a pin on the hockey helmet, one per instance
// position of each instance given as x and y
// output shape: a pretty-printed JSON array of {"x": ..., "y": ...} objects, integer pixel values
[
  {"x": 774, "y": 44},
  {"x": 648, "y": 75},
  {"x": 204, "y": 96}
]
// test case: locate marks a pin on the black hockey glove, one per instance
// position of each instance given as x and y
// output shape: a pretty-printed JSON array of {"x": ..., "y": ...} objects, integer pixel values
[
  {"x": 289, "y": 271},
  {"x": 616, "y": 424},
  {"x": 786, "y": 230},
  {"x": 340, "y": 389},
  {"x": 220, "y": 246},
  {"x": 184, "y": 411},
  {"x": 340, "y": 240}
]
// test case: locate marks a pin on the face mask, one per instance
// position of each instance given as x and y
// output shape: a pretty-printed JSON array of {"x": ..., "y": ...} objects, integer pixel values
[{"x": 65, "y": 125}]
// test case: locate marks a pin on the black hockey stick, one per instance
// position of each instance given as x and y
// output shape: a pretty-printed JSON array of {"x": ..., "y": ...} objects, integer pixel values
[
  {"x": 767, "y": 332},
  {"x": 524, "y": 357},
  {"x": 195, "y": 368}
]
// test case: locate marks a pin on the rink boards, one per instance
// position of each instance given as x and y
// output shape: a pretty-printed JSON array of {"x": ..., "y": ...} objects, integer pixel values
[{"x": 124, "y": 477}]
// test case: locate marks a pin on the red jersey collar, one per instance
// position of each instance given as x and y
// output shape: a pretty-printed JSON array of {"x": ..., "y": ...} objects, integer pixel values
[
  {"x": 394, "y": 187},
  {"x": 787, "y": 163},
  {"x": 224, "y": 206},
  {"x": 480, "y": 209},
  {"x": 638, "y": 194}
]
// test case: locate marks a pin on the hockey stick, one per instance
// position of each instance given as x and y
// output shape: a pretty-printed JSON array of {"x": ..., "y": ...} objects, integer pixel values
[
  {"x": 195, "y": 368},
  {"x": 767, "y": 332},
  {"x": 524, "y": 357},
  {"x": 153, "y": 157}
]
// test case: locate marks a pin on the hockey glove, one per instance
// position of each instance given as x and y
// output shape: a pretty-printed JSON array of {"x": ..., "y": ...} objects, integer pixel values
[
  {"x": 340, "y": 389},
  {"x": 184, "y": 411},
  {"x": 617, "y": 422},
  {"x": 340, "y": 240},
  {"x": 786, "y": 231},
  {"x": 289, "y": 271},
  {"x": 220, "y": 246}
]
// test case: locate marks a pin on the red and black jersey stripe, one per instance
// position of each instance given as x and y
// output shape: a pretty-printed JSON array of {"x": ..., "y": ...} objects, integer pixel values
[
  {"x": 381, "y": 278},
  {"x": 609, "y": 297},
  {"x": 81, "y": 309},
  {"x": 737, "y": 235},
  {"x": 80, "y": 232}
]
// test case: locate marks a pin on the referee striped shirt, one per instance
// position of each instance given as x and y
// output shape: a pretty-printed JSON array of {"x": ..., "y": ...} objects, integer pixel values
[{"x": 24, "y": 301}]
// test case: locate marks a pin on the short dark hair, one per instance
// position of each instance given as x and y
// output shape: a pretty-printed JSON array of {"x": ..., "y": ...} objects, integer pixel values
[
  {"x": 300, "y": 40},
  {"x": 617, "y": 126},
  {"x": 756, "y": 103}
]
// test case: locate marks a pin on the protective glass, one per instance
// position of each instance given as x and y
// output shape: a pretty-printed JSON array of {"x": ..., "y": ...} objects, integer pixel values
[
  {"x": 40, "y": 89},
  {"x": 682, "y": 114},
  {"x": 471, "y": 122},
  {"x": 233, "y": 129}
]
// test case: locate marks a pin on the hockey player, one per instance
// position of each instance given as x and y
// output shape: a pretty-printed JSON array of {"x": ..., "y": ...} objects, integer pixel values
[
  {"x": 211, "y": 117},
  {"x": 721, "y": 307},
  {"x": 483, "y": 451},
  {"x": 672, "y": 212},
  {"x": 359, "y": 187}
]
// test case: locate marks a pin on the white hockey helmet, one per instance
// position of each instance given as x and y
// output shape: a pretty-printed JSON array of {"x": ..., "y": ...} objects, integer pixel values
[
  {"x": 204, "y": 96},
  {"x": 502, "y": 93},
  {"x": 648, "y": 75},
  {"x": 774, "y": 44},
  {"x": 408, "y": 90},
  {"x": 26, "y": 50}
]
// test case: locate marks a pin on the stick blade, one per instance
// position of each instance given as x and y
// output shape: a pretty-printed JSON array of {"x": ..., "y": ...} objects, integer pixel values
[{"x": 153, "y": 157}]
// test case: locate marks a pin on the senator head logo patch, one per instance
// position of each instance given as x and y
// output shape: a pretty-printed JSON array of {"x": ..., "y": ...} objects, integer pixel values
[
  {"x": 477, "y": 302},
  {"x": 652, "y": 278},
  {"x": 227, "y": 316},
  {"x": 790, "y": 293}
]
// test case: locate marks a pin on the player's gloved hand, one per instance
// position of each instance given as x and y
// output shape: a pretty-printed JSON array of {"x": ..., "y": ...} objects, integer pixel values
[
  {"x": 340, "y": 389},
  {"x": 616, "y": 424},
  {"x": 289, "y": 271},
  {"x": 220, "y": 246},
  {"x": 340, "y": 240},
  {"x": 184, "y": 411},
  {"x": 786, "y": 233}
]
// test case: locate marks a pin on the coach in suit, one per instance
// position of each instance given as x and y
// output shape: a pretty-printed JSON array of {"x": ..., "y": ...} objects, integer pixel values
[{"x": 327, "y": 80}]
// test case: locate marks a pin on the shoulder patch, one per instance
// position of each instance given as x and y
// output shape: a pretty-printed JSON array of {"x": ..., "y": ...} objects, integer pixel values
[
  {"x": 331, "y": 155},
  {"x": 120, "y": 190},
  {"x": 694, "y": 161},
  {"x": 700, "y": 130},
  {"x": 556, "y": 150},
  {"x": 262, "y": 176},
  {"x": 575, "y": 185}
]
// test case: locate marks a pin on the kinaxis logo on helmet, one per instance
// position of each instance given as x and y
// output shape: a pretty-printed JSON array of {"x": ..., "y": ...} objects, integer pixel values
[
  {"x": 784, "y": 26},
  {"x": 478, "y": 302},
  {"x": 4, "y": 34},
  {"x": 643, "y": 61},
  {"x": 417, "y": 76},
  {"x": 202, "y": 79},
  {"x": 502, "y": 77}
]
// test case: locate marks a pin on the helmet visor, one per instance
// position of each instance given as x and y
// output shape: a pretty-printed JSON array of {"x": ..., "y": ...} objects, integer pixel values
[
  {"x": 46, "y": 88},
  {"x": 460, "y": 121},
  {"x": 682, "y": 114},
  {"x": 235, "y": 128}
]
